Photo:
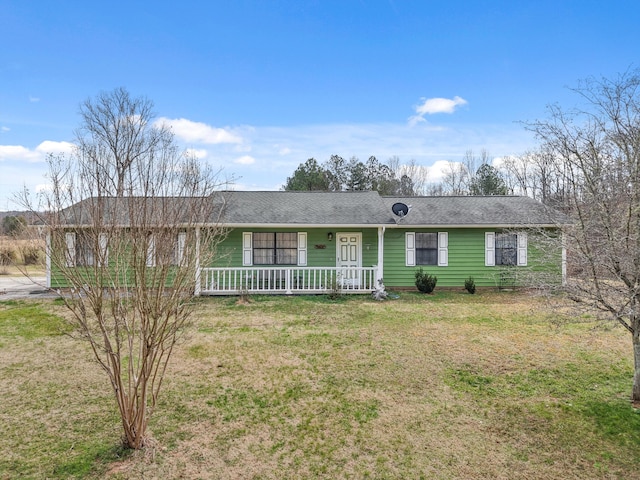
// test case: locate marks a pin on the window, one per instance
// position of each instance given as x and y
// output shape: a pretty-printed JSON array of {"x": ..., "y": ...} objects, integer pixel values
[
  {"x": 427, "y": 248},
  {"x": 84, "y": 251},
  {"x": 274, "y": 248},
  {"x": 173, "y": 253},
  {"x": 505, "y": 249}
]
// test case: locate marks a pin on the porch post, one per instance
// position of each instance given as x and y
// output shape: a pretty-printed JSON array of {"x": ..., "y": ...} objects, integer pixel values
[
  {"x": 564, "y": 259},
  {"x": 48, "y": 258},
  {"x": 380, "y": 269},
  {"x": 197, "y": 289}
]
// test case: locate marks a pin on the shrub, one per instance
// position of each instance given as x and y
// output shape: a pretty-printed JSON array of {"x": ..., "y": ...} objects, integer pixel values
[
  {"x": 426, "y": 283},
  {"x": 470, "y": 285},
  {"x": 30, "y": 254},
  {"x": 8, "y": 255}
]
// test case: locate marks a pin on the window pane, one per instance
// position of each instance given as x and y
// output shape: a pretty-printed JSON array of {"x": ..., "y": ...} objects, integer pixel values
[
  {"x": 287, "y": 256},
  {"x": 427, "y": 240},
  {"x": 263, "y": 240},
  {"x": 262, "y": 256},
  {"x": 506, "y": 249},
  {"x": 426, "y": 248},
  {"x": 426, "y": 257}
]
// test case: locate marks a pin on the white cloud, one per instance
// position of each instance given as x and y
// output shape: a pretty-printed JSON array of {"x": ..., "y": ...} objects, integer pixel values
[
  {"x": 431, "y": 106},
  {"x": 197, "y": 152},
  {"x": 19, "y": 153},
  {"x": 4, "y": 129},
  {"x": 33, "y": 99},
  {"x": 199, "y": 132},
  {"x": 245, "y": 160},
  {"x": 284, "y": 151},
  {"x": 49, "y": 146}
]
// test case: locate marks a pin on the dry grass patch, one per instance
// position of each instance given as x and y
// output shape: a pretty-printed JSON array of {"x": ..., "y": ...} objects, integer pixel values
[{"x": 444, "y": 386}]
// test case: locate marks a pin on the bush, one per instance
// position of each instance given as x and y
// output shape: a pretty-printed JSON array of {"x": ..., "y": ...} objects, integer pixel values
[
  {"x": 8, "y": 255},
  {"x": 30, "y": 254},
  {"x": 426, "y": 283},
  {"x": 470, "y": 285}
]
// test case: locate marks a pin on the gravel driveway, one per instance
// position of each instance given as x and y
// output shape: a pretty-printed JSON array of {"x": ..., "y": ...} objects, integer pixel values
[{"x": 23, "y": 287}]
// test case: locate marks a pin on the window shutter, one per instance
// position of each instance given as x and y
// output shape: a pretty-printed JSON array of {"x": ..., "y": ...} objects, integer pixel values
[
  {"x": 489, "y": 249},
  {"x": 70, "y": 254},
  {"x": 247, "y": 249},
  {"x": 522, "y": 249},
  {"x": 410, "y": 244},
  {"x": 103, "y": 255},
  {"x": 302, "y": 249},
  {"x": 151, "y": 251},
  {"x": 180, "y": 246},
  {"x": 443, "y": 249}
]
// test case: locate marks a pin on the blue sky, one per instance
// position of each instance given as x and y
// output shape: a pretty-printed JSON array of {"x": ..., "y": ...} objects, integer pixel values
[{"x": 258, "y": 87}]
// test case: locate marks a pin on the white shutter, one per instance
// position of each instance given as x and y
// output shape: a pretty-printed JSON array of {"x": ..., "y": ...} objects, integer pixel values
[
  {"x": 70, "y": 254},
  {"x": 181, "y": 242},
  {"x": 302, "y": 249},
  {"x": 443, "y": 249},
  {"x": 489, "y": 249},
  {"x": 151, "y": 251},
  {"x": 522, "y": 249},
  {"x": 247, "y": 249},
  {"x": 103, "y": 254},
  {"x": 410, "y": 247}
]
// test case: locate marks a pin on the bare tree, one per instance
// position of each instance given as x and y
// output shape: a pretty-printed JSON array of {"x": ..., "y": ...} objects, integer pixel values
[
  {"x": 130, "y": 219},
  {"x": 598, "y": 149},
  {"x": 456, "y": 179}
]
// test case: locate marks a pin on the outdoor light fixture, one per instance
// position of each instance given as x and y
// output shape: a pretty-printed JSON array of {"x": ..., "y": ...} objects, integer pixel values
[{"x": 330, "y": 236}]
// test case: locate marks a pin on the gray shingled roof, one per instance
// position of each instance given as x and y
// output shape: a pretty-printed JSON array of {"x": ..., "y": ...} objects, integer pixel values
[
  {"x": 471, "y": 211},
  {"x": 278, "y": 208},
  {"x": 303, "y": 208},
  {"x": 368, "y": 208}
]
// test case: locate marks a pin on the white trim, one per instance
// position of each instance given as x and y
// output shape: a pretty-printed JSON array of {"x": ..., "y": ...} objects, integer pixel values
[
  {"x": 443, "y": 249},
  {"x": 302, "y": 249}
]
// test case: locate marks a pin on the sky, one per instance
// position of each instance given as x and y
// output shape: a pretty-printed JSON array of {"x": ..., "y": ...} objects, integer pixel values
[{"x": 255, "y": 88}]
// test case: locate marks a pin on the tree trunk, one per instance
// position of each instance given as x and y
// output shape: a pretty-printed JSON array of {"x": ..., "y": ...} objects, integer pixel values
[{"x": 635, "y": 394}]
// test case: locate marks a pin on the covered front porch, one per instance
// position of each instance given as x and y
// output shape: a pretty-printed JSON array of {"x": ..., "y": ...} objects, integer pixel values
[{"x": 286, "y": 280}]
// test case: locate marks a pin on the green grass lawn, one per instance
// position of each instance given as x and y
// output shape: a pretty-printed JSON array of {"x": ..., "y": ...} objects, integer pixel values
[{"x": 451, "y": 385}]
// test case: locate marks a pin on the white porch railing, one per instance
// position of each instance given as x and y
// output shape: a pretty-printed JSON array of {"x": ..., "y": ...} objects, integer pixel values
[{"x": 287, "y": 280}]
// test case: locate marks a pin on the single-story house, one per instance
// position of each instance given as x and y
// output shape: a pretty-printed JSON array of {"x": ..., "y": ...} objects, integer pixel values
[{"x": 354, "y": 242}]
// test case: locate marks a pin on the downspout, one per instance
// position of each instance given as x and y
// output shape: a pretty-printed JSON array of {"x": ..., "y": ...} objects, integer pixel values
[{"x": 380, "y": 269}]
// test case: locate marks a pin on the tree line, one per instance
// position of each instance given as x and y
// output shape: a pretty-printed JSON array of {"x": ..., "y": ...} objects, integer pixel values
[{"x": 536, "y": 174}]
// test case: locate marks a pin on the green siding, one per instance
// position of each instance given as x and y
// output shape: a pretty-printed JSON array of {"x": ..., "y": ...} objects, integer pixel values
[
  {"x": 466, "y": 258},
  {"x": 229, "y": 252}
]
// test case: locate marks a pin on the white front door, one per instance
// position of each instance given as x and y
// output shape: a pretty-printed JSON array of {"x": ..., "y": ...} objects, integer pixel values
[{"x": 349, "y": 255}]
